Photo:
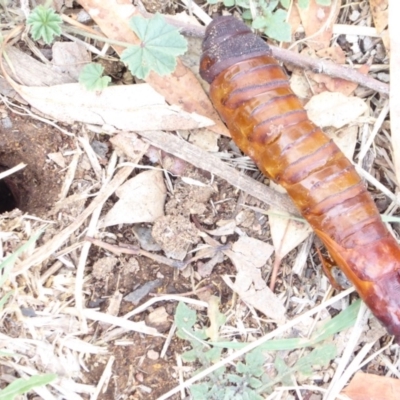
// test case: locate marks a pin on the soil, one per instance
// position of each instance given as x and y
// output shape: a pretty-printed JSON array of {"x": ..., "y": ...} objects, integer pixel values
[
  {"x": 35, "y": 188},
  {"x": 138, "y": 371}
]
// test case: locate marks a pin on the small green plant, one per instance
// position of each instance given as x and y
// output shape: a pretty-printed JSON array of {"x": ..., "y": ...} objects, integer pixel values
[
  {"x": 21, "y": 386},
  {"x": 272, "y": 21},
  {"x": 45, "y": 24},
  {"x": 222, "y": 384},
  {"x": 91, "y": 77},
  {"x": 160, "y": 45},
  {"x": 247, "y": 379},
  {"x": 270, "y": 18}
]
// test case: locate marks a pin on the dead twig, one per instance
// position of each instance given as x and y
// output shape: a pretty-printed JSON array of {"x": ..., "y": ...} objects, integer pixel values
[
  {"x": 299, "y": 60},
  {"x": 128, "y": 249}
]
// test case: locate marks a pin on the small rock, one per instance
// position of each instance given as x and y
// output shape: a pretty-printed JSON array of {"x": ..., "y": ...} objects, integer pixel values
[
  {"x": 159, "y": 319},
  {"x": 153, "y": 355}
]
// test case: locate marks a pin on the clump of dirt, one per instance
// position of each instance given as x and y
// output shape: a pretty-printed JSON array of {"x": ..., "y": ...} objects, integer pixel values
[{"x": 35, "y": 188}]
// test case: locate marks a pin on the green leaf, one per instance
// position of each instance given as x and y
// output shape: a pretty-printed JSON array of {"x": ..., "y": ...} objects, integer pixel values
[
  {"x": 21, "y": 386},
  {"x": 4, "y": 299},
  {"x": 229, "y": 3},
  {"x": 189, "y": 356},
  {"x": 213, "y": 355},
  {"x": 324, "y": 2},
  {"x": 199, "y": 391},
  {"x": 241, "y": 368},
  {"x": 7, "y": 265},
  {"x": 243, "y": 3},
  {"x": 304, "y": 3},
  {"x": 234, "y": 378},
  {"x": 185, "y": 317},
  {"x": 254, "y": 382},
  {"x": 285, "y": 3},
  {"x": 271, "y": 5},
  {"x": 91, "y": 77},
  {"x": 320, "y": 356},
  {"x": 284, "y": 372},
  {"x": 250, "y": 394},
  {"x": 247, "y": 15},
  {"x": 45, "y": 24},
  {"x": 277, "y": 28},
  {"x": 259, "y": 22},
  {"x": 160, "y": 44}
]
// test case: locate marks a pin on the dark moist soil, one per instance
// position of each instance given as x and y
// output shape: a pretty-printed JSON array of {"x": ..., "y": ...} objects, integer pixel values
[{"x": 35, "y": 188}]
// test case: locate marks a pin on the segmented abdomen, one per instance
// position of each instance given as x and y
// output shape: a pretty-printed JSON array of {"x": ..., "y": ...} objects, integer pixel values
[{"x": 268, "y": 122}]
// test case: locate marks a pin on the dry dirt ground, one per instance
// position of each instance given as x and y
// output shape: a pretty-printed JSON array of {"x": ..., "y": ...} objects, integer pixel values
[{"x": 137, "y": 371}]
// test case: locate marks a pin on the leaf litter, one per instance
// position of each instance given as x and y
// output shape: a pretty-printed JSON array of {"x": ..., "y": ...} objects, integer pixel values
[{"x": 46, "y": 316}]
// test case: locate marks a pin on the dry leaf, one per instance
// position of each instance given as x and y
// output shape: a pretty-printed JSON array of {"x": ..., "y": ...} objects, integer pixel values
[
  {"x": 368, "y": 386},
  {"x": 249, "y": 255},
  {"x": 32, "y": 72},
  {"x": 286, "y": 233},
  {"x": 317, "y": 18},
  {"x": 345, "y": 138},
  {"x": 113, "y": 19},
  {"x": 69, "y": 58},
  {"x": 141, "y": 199},
  {"x": 128, "y": 144},
  {"x": 334, "y": 109},
  {"x": 129, "y": 107},
  {"x": 380, "y": 14}
]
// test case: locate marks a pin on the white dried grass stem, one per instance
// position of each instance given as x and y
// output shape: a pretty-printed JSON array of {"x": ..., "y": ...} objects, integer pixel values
[
  {"x": 374, "y": 182},
  {"x": 355, "y": 30},
  {"x": 377, "y": 126},
  {"x": 70, "y": 175},
  {"x": 168, "y": 340},
  {"x": 168, "y": 297},
  {"x": 350, "y": 370},
  {"x": 197, "y": 11},
  {"x": 92, "y": 156},
  {"x": 335, "y": 385},
  {"x": 12, "y": 170},
  {"x": 105, "y": 378}
]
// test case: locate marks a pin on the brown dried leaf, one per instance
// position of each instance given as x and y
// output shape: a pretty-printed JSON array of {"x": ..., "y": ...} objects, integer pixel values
[
  {"x": 380, "y": 13},
  {"x": 319, "y": 19},
  {"x": 368, "y": 386}
]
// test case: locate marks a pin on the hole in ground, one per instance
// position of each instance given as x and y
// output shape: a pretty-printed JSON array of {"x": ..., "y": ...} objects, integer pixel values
[{"x": 36, "y": 188}]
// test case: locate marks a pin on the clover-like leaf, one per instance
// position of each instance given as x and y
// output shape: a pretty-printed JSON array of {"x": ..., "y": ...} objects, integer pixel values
[
  {"x": 285, "y": 3},
  {"x": 276, "y": 26},
  {"x": 45, "y": 24},
  {"x": 91, "y": 77},
  {"x": 160, "y": 44},
  {"x": 304, "y": 3}
]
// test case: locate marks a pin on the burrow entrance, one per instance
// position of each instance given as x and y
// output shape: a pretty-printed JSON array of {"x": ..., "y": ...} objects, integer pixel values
[{"x": 36, "y": 188}]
